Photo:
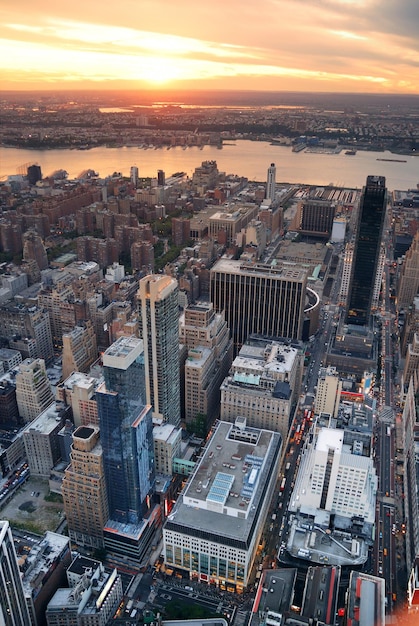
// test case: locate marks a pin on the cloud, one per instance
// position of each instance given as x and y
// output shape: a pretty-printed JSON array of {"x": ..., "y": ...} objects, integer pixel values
[{"x": 366, "y": 42}]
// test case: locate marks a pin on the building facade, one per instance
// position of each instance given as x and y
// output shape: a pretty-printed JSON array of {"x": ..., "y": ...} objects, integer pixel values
[
  {"x": 214, "y": 529},
  {"x": 259, "y": 299},
  {"x": 159, "y": 330},
  {"x": 42, "y": 444},
  {"x": 84, "y": 489},
  {"x": 33, "y": 389},
  {"x": 210, "y": 351},
  {"x": 408, "y": 284},
  {"x": 329, "y": 387},
  {"x": 126, "y": 430},
  {"x": 13, "y": 608},
  {"x": 315, "y": 217},
  {"x": 263, "y": 385},
  {"x": 271, "y": 182},
  {"x": 367, "y": 249},
  {"x": 79, "y": 349}
]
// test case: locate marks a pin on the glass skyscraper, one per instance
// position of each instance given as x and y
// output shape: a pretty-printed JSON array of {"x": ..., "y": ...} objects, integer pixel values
[
  {"x": 367, "y": 248},
  {"x": 13, "y": 608},
  {"x": 126, "y": 431}
]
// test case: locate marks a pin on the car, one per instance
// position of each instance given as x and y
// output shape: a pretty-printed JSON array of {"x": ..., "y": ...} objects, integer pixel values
[
  {"x": 166, "y": 596},
  {"x": 380, "y": 570}
]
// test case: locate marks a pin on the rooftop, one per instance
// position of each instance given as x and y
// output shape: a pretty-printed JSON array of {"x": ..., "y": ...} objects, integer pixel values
[
  {"x": 225, "y": 490},
  {"x": 123, "y": 352}
]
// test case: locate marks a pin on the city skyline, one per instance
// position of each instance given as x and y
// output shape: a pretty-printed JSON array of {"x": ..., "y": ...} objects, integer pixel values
[{"x": 294, "y": 45}]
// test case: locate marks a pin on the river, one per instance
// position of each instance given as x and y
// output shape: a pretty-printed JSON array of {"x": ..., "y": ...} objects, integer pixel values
[{"x": 242, "y": 157}]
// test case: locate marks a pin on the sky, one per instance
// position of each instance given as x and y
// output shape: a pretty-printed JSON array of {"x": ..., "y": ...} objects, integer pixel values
[{"x": 369, "y": 46}]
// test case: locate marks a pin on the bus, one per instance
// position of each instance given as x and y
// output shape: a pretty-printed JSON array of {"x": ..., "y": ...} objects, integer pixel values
[{"x": 282, "y": 487}]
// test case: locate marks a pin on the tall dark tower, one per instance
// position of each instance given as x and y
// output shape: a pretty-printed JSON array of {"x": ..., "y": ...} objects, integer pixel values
[
  {"x": 367, "y": 248},
  {"x": 34, "y": 174}
]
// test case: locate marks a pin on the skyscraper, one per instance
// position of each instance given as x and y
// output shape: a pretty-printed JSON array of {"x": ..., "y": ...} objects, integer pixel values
[
  {"x": 134, "y": 175},
  {"x": 13, "y": 608},
  {"x": 161, "y": 178},
  {"x": 271, "y": 181},
  {"x": 126, "y": 430},
  {"x": 259, "y": 298},
  {"x": 210, "y": 352},
  {"x": 409, "y": 276},
  {"x": 367, "y": 249},
  {"x": 84, "y": 489},
  {"x": 33, "y": 389},
  {"x": 159, "y": 329}
]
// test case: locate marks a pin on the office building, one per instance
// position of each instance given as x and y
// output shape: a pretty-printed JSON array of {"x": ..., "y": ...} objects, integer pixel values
[
  {"x": 367, "y": 249},
  {"x": 91, "y": 600},
  {"x": 9, "y": 411},
  {"x": 126, "y": 430},
  {"x": 329, "y": 388},
  {"x": 34, "y": 174},
  {"x": 315, "y": 217},
  {"x": 79, "y": 349},
  {"x": 412, "y": 359},
  {"x": 263, "y": 385},
  {"x": 366, "y": 600},
  {"x": 210, "y": 351},
  {"x": 321, "y": 592},
  {"x": 34, "y": 249},
  {"x": 335, "y": 490},
  {"x": 215, "y": 527},
  {"x": 10, "y": 358},
  {"x": 408, "y": 282},
  {"x": 161, "y": 178},
  {"x": 181, "y": 230},
  {"x": 410, "y": 325},
  {"x": 133, "y": 174},
  {"x": 42, "y": 443},
  {"x": 410, "y": 419},
  {"x": 18, "y": 323},
  {"x": 13, "y": 608},
  {"x": 167, "y": 440},
  {"x": 271, "y": 182},
  {"x": 225, "y": 225},
  {"x": 78, "y": 392},
  {"x": 84, "y": 489},
  {"x": 413, "y": 588},
  {"x": 33, "y": 389},
  {"x": 259, "y": 299},
  {"x": 44, "y": 572},
  {"x": 159, "y": 330},
  {"x": 54, "y": 299},
  {"x": 205, "y": 177}
]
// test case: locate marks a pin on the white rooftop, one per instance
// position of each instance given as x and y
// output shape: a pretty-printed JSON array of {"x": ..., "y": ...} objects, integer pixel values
[{"x": 330, "y": 438}]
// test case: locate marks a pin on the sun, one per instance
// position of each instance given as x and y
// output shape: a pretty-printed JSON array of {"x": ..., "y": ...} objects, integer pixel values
[{"x": 159, "y": 70}]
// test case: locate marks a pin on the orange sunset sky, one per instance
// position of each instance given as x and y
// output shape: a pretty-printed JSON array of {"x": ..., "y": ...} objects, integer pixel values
[{"x": 296, "y": 45}]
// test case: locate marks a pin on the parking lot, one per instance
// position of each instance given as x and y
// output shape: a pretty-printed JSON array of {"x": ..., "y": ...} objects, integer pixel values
[{"x": 29, "y": 509}]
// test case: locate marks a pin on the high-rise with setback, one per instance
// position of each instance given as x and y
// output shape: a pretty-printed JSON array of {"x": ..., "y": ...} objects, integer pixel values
[{"x": 367, "y": 249}]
